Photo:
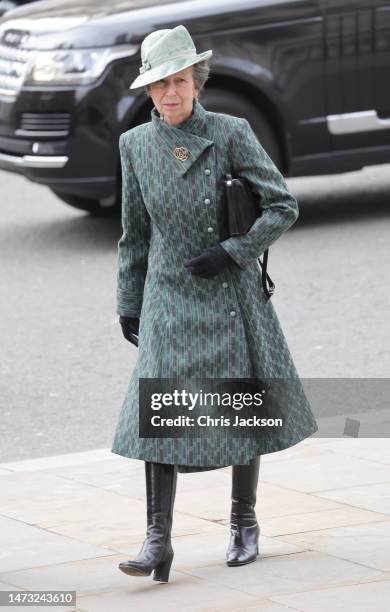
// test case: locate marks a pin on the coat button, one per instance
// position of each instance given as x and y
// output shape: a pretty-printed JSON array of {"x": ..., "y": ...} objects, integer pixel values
[
  {"x": 232, "y": 313},
  {"x": 224, "y": 285},
  {"x": 210, "y": 230},
  {"x": 207, "y": 171},
  {"x": 207, "y": 201}
]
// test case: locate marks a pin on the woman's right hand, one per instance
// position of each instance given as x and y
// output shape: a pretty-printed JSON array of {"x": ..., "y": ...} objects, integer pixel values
[{"x": 130, "y": 327}]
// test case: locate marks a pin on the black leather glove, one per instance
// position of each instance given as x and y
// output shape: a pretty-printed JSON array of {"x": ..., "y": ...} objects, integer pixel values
[
  {"x": 130, "y": 327},
  {"x": 211, "y": 262}
]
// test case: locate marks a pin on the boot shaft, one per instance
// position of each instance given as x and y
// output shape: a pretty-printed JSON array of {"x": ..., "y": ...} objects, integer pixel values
[
  {"x": 244, "y": 482},
  {"x": 161, "y": 483},
  {"x": 244, "y": 493}
]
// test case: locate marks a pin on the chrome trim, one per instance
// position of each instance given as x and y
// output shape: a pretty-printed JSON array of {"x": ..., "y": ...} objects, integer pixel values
[
  {"x": 9, "y": 93},
  {"x": 35, "y": 161},
  {"x": 34, "y": 133},
  {"x": 361, "y": 121},
  {"x": 14, "y": 65}
]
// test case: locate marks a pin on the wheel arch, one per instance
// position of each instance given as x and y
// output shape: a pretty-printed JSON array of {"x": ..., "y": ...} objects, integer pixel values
[{"x": 260, "y": 98}]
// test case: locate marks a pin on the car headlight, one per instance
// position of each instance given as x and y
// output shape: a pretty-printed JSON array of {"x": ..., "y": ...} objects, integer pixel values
[{"x": 73, "y": 66}]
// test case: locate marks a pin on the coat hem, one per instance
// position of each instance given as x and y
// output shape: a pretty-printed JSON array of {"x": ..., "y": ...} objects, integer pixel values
[{"x": 193, "y": 467}]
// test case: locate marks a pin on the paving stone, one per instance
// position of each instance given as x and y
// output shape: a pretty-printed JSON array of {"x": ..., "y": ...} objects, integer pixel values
[
  {"x": 321, "y": 519},
  {"x": 375, "y": 497},
  {"x": 377, "y": 449},
  {"x": 371, "y": 596},
  {"x": 44, "y": 463},
  {"x": 182, "y": 592},
  {"x": 328, "y": 471},
  {"x": 366, "y": 544},
  {"x": 24, "y": 546},
  {"x": 85, "y": 576},
  {"x": 287, "y": 574}
]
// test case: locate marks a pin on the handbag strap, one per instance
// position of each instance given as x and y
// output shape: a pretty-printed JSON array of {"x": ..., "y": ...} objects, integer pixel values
[{"x": 270, "y": 288}]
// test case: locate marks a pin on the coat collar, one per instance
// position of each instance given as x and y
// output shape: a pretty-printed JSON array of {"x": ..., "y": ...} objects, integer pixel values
[{"x": 190, "y": 133}]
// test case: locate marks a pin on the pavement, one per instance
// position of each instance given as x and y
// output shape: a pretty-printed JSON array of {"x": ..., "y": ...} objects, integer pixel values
[{"x": 323, "y": 505}]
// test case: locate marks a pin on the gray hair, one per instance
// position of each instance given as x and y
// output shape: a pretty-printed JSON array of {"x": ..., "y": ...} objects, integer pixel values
[{"x": 200, "y": 74}]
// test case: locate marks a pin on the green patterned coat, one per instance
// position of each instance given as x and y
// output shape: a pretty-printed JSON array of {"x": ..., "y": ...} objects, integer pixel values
[{"x": 221, "y": 327}]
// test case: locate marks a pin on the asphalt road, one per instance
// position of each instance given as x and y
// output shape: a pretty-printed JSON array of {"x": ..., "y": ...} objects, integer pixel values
[{"x": 64, "y": 365}]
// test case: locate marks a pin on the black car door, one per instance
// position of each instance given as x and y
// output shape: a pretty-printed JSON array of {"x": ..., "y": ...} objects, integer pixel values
[{"x": 357, "y": 59}]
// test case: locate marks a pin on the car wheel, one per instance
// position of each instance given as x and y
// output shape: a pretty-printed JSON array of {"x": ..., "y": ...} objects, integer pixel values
[
  {"x": 106, "y": 207},
  {"x": 224, "y": 101}
]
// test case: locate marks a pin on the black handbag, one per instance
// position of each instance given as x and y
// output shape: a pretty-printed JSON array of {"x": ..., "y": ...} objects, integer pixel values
[{"x": 239, "y": 209}]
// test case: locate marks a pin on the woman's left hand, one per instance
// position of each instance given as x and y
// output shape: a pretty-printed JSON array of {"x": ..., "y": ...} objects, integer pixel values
[
  {"x": 210, "y": 263},
  {"x": 130, "y": 328}
]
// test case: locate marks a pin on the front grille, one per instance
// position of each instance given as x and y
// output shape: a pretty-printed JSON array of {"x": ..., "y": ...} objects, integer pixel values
[
  {"x": 13, "y": 68},
  {"x": 43, "y": 124}
]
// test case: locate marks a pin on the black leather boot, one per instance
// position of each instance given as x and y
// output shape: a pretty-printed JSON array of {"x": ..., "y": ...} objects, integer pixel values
[
  {"x": 156, "y": 552},
  {"x": 244, "y": 529}
]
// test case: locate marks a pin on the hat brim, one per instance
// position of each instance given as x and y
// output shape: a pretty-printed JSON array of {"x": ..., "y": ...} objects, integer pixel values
[{"x": 155, "y": 74}]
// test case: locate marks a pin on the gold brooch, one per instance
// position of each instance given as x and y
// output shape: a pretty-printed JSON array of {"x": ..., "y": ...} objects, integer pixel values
[{"x": 181, "y": 153}]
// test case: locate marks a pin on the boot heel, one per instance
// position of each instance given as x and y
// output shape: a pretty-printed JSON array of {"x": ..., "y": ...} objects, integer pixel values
[{"x": 161, "y": 572}]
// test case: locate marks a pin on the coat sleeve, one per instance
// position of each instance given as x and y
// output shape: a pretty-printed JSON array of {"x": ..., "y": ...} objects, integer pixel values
[
  {"x": 133, "y": 246},
  {"x": 279, "y": 207}
]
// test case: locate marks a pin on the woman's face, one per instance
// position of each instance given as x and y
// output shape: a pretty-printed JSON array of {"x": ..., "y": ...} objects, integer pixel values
[{"x": 173, "y": 95}]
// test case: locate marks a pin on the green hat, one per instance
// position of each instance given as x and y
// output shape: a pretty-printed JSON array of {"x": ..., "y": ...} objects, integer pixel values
[{"x": 165, "y": 52}]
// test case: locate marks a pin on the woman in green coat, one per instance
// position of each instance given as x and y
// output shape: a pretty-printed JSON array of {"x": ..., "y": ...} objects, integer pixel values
[{"x": 196, "y": 301}]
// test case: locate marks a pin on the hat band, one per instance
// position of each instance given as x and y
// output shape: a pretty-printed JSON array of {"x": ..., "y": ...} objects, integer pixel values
[{"x": 146, "y": 65}]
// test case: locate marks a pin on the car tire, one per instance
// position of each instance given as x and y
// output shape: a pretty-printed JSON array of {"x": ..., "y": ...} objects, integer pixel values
[
  {"x": 110, "y": 207},
  {"x": 231, "y": 103}
]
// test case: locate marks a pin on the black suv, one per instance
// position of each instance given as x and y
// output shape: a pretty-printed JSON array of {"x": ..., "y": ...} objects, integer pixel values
[{"x": 311, "y": 76}]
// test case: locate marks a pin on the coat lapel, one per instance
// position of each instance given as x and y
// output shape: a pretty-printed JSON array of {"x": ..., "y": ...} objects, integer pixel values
[{"x": 187, "y": 134}]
